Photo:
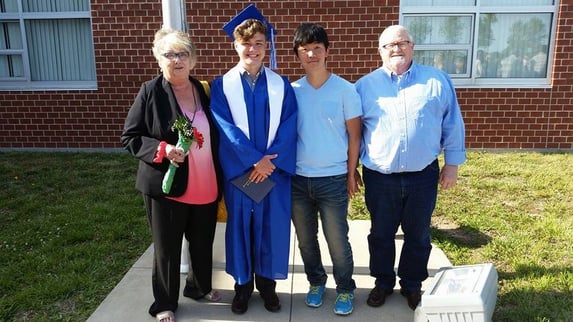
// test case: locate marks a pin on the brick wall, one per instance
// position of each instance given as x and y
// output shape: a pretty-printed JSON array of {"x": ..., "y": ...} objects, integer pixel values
[
  {"x": 89, "y": 119},
  {"x": 123, "y": 32}
]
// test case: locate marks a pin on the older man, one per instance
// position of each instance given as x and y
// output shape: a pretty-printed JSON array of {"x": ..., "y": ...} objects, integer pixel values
[{"x": 410, "y": 115}]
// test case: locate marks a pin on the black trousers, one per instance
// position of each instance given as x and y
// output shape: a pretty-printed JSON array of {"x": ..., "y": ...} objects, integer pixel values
[{"x": 169, "y": 221}]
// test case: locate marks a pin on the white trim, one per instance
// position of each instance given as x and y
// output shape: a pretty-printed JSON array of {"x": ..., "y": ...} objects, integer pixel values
[{"x": 233, "y": 89}]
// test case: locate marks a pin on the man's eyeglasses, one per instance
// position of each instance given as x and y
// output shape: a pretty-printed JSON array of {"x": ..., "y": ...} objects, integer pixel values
[
  {"x": 172, "y": 56},
  {"x": 400, "y": 44}
]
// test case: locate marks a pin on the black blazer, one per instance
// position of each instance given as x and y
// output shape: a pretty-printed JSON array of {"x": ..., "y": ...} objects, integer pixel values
[{"x": 149, "y": 122}]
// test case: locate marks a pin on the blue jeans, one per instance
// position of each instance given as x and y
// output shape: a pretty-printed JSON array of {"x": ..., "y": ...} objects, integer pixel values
[
  {"x": 407, "y": 199},
  {"x": 327, "y": 196}
]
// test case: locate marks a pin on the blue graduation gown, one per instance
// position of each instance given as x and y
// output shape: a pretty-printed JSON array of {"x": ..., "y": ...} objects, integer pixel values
[{"x": 257, "y": 235}]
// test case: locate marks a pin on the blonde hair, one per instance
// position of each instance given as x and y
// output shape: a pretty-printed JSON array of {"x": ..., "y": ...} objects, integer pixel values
[{"x": 174, "y": 39}]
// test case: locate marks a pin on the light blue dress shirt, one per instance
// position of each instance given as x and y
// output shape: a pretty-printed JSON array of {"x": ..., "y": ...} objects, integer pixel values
[{"x": 409, "y": 120}]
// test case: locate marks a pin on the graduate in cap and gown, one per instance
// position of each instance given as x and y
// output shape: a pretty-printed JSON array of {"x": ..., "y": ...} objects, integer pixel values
[{"x": 255, "y": 109}]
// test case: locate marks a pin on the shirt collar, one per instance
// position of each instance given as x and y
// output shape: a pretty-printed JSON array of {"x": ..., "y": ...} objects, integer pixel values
[
  {"x": 244, "y": 72},
  {"x": 405, "y": 76}
]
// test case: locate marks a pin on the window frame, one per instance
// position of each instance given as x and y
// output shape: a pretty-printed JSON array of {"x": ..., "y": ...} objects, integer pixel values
[
  {"x": 476, "y": 10},
  {"x": 25, "y": 83}
]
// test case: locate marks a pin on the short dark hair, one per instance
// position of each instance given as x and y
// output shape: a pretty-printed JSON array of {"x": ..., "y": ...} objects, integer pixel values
[{"x": 308, "y": 33}]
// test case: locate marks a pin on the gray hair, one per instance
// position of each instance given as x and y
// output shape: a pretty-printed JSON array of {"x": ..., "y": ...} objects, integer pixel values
[{"x": 394, "y": 29}]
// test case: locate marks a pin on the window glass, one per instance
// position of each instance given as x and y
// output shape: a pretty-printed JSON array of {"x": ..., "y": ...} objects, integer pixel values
[
  {"x": 486, "y": 42},
  {"x": 8, "y": 6},
  {"x": 46, "y": 44},
  {"x": 440, "y": 29},
  {"x": 516, "y": 2},
  {"x": 55, "y": 5},
  {"x": 438, "y": 2},
  {"x": 10, "y": 37},
  {"x": 11, "y": 66},
  {"x": 454, "y": 62},
  {"x": 57, "y": 58},
  {"x": 514, "y": 45}
]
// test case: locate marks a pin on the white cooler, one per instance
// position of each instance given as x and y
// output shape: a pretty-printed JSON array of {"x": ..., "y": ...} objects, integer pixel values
[{"x": 460, "y": 294}]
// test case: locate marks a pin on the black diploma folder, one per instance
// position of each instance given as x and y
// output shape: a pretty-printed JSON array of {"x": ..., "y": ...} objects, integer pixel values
[{"x": 255, "y": 191}]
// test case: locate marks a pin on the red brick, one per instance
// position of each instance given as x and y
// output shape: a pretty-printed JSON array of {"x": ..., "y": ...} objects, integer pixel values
[{"x": 496, "y": 118}]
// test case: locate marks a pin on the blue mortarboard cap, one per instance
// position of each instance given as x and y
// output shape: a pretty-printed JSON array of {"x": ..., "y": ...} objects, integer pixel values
[{"x": 251, "y": 12}]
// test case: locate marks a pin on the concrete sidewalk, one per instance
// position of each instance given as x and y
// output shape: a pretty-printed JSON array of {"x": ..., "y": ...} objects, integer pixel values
[{"x": 131, "y": 298}]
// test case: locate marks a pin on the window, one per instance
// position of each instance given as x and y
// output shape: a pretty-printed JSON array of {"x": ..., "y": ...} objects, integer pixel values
[
  {"x": 486, "y": 43},
  {"x": 46, "y": 44}
]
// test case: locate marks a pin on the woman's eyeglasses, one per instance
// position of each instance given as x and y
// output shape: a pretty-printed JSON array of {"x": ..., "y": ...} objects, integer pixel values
[{"x": 172, "y": 56}]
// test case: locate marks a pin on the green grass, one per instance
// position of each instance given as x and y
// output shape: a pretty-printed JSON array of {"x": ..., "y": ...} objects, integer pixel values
[
  {"x": 72, "y": 224},
  {"x": 515, "y": 210}
]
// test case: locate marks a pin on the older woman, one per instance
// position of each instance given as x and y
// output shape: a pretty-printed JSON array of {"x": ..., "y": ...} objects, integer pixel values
[{"x": 189, "y": 206}]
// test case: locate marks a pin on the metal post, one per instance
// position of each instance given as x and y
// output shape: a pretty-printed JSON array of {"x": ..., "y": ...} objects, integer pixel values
[{"x": 174, "y": 15}]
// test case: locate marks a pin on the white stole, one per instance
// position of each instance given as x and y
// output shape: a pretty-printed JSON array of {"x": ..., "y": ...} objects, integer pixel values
[{"x": 233, "y": 89}]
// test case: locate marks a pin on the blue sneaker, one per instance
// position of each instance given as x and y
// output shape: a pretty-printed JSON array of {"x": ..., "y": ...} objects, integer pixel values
[
  {"x": 343, "y": 304},
  {"x": 314, "y": 296}
]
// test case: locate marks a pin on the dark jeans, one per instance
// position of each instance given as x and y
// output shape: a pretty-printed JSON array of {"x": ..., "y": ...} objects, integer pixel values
[
  {"x": 329, "y": 197},
  {"x": 407, "y": 199}
]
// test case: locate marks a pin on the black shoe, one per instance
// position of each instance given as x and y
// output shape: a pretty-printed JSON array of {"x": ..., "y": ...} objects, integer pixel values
[
  {"x": 377, "y": 296},
  {"x": 240, "y": 303},
  {"x": 412, "y": 297},
  {"x": 271, "y": 299},
  {"x": 266, "y": 287},
  {"x": 243, "y": 293}
]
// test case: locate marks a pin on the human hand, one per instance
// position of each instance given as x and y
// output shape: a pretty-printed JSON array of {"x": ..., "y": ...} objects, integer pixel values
[
  {"x": 174, "y": 155},
  {"x": 263, "y": 169},
  {"x": 354, "y": 182},
  {"x": 448, "y": 176}
]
